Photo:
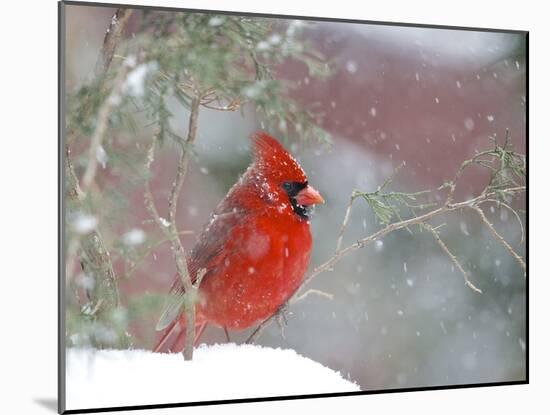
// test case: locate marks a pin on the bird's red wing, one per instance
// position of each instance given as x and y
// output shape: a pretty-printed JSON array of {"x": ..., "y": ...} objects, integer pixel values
[{"x": 207, "y": 254}]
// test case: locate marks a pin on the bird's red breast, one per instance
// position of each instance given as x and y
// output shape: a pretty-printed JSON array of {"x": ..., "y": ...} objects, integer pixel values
[{"x": 256, "y": 247}]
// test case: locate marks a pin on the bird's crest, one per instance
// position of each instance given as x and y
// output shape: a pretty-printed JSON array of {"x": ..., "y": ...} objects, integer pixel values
[{"x": 274, "y": 160}]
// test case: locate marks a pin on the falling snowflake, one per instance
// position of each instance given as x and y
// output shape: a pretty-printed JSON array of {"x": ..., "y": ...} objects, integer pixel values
[
  {"x": 469, "y": 124},
  {"x": 133, "y": 237},
  {"x": 351, "y": 66}
]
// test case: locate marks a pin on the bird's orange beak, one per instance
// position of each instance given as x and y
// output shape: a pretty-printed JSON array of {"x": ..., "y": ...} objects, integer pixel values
[{"x": 309, "y": 196}]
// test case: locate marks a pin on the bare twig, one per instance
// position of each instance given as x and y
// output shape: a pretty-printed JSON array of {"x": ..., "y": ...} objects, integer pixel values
[
  {"x": 499, "y": 238},
  {"x": 452, "y": 257},
  {"x": 227, "y": 338},
  {"x": 111, "y": 39},
  {"x": 511, "y": 209},
  {"x": 280, "y": 312},
  {"x": 184, "y": 160},
  {"x": 169, "y": 228},
  {"x": 261, "y": 327},
  {"x": 312, "y": 291},
  {"x": 345, "y": 222},
  {"x": 190, "y": 300},
  {"x": 232, "y": 105},
  {"x": 148, "y": 196},
  {"x": 452, "y": 185},
  {"x": 136, "y": 263},
  {"x": 166, "y": 227}
]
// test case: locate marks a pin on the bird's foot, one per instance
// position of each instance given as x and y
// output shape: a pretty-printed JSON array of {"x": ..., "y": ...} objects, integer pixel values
[{"x": 281, "y": 317}]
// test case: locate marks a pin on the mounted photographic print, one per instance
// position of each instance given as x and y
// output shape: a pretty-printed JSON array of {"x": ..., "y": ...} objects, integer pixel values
[{"x": 257, "y": 207}]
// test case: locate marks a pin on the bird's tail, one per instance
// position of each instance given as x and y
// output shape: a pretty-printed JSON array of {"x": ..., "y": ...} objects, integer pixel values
[{"x": 172, "y": 339}]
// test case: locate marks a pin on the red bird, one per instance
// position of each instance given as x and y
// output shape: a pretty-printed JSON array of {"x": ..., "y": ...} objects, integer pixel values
[{"x": 255, "y": 250}]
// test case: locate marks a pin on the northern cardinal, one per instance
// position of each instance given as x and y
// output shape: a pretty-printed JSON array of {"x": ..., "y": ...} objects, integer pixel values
[{"x": 255, "y": 249}]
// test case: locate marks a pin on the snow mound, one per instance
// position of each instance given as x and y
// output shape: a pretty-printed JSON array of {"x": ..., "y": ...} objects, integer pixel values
[{"x": 108, "y": 378}]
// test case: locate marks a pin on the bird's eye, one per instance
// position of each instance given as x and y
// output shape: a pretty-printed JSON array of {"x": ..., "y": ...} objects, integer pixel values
[{"x": 287, "y": 186}]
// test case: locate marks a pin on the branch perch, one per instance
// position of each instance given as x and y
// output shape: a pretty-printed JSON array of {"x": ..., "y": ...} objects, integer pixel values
[{"x": 170, "y": 228}]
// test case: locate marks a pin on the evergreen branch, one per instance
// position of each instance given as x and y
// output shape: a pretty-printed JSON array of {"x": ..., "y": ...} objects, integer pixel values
[
  {"x": 75, "y": 195},
  {"x": 101, "y": 125},
  {"x": 95, "y": 259},
  {"x": 73, "y": 191}
]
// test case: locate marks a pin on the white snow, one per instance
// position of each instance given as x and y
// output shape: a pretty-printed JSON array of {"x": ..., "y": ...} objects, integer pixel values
[
  {"x": 101, "y": 156},
  {"x": 216, "y": 21},
  {"x": 263, "y": 46},
  {"x": 351, "y": 66},
  {"x": 469, "y": 124},
  {"x": 130, "y": 61},
  {"x": 108, "y": 378},
  {"x": 135, "y": 81},
  {"x": 134, "y": 237},
  {"x": 275, "y": 39},
  {"x": 85, "y": 281},
  {"x": 84, "y": 223}
]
